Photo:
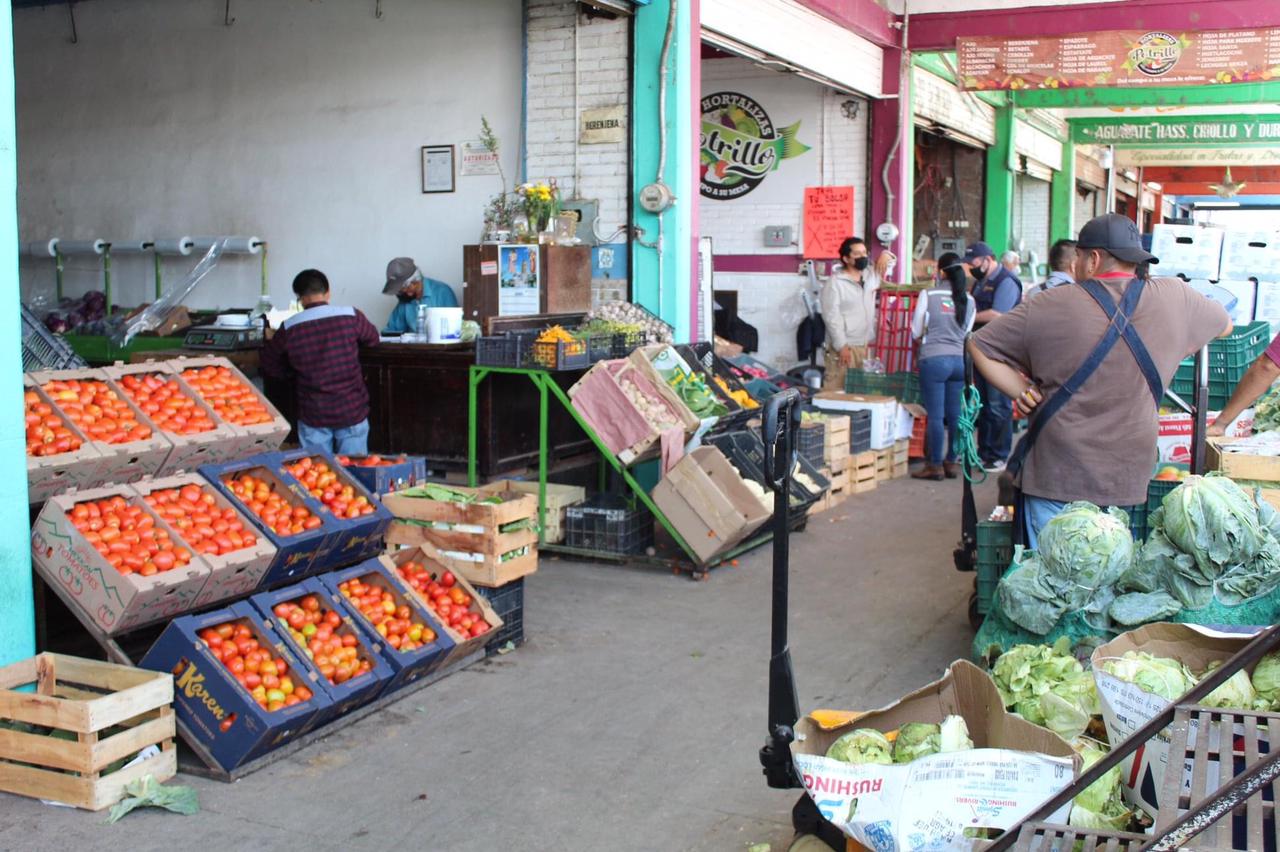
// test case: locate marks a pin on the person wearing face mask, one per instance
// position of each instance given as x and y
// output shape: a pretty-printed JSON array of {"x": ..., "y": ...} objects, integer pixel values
[
  {"x": 412, "y": 290},
  {"x": 996, "y": 292},
  {"x": 849, "y": 309},
  {"x": 1100, "y": 354}
]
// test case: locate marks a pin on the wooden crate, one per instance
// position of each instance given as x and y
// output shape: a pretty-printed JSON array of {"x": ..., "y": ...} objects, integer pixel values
[
  {"x": 901, "y": 460},
  {"x": 87, "y": 700},
  {"x": 863, "y": 471},
  {"x": 559, "y": 497}
]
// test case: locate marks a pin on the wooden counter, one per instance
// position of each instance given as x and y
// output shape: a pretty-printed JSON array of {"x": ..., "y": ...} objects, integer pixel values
[{"x": 418, "y": 405}]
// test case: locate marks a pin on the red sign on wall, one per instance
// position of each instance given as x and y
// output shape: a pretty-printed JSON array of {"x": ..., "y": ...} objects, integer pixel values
[{"x": 828, "y": 220}]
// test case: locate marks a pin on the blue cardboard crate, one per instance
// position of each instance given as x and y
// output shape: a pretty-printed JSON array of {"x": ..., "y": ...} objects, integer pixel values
[
  {"x": 355, "y": 539},
  {"x": 295, "y": 554},
  {"x": 352, "y": 693},
  {"x": 217, "y": 710},
  {"x": 407, "y": 472},
  {"x": 406, "y": 666}
]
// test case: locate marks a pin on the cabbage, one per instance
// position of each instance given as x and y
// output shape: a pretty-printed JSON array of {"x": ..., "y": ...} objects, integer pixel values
[
  {"x": 1137, "y": 608},
  {"x": 1215, "y": 522},
  {"x": 1027, "y": 598},
  {"x": 1161, "y": 676},
  {"x": 1026, "y": 673},
  {"x": 1085, "y": 549},
  {"x": 1101, "y": 805},
  {"x": 1068, "y": 708},
  {"x": 953, "y": 735},
  {"x": 916, "y": 739},
  {"x": 862, "y": 746},
  {"x": 1236, "y": 694},
  {"x": 1266, "y": 678}
]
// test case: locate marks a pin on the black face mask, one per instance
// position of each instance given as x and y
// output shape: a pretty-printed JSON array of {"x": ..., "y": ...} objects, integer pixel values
[
  {"x": 404, "y": 297},
  {"x": 978, "y": 273},
  {"x": 861, "y": 263}
]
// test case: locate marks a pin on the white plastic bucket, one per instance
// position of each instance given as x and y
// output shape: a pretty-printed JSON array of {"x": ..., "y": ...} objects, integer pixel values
[{"x": 444, "y": 325}]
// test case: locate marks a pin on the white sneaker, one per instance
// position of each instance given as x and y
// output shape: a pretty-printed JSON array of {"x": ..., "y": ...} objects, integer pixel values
[{"x": 993, "y": 466}]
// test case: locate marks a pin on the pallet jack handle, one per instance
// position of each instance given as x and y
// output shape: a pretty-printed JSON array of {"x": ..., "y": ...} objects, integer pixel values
[{"x": 781, "y": 420}]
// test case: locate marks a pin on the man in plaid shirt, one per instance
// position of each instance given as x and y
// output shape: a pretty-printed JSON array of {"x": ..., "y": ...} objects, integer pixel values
[{"x": 319, "y": 349}]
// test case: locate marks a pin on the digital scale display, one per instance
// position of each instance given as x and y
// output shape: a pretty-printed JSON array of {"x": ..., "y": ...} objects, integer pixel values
[{"x": 221, "y": 338}]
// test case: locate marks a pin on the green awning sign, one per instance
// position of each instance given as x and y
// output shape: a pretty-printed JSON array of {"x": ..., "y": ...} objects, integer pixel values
[
  {"x": 1166, "y": 131},
  {"x": 740, "y": 145}
]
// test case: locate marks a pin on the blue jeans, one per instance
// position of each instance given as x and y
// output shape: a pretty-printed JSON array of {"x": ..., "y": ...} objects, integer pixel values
[
  {"x": 941, "y": 385},
  {"x": 995, "y": 424},
  {"x": 1039, "y": 512},
  {"x": 347, "y": 440}
]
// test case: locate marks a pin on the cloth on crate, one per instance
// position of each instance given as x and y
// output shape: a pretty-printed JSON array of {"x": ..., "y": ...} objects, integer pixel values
[
  {"x": 941, "y": 386},
  {"x": 849, "y": 308}
]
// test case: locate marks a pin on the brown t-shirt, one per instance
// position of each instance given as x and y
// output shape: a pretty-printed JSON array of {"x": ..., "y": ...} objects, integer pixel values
[{"x": 1101, "y": 445}]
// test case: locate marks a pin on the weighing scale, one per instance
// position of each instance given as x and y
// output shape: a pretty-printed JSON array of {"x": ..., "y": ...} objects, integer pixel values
[{"x": 223, "y": 338}]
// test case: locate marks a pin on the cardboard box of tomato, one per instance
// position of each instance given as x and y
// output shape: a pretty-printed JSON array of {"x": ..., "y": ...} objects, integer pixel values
[
  {"x": 358, "y": 519},
  {"x": 208, "y": 523},
  {"x": 130, "y": 445},
  {"x": 198, "y": 435},
  {"x": 238, "y": 689},
  {"x": 467, "y": 618},
  {"x": 59, "y": 456},
  {"x": 410, "y": 639},
  {"x": 384, "y": 474},
  {"x": 318, "y": 628},
  {"x": 220, "y": 385},
  {"x": 282, "y": 511},
  {"x": 95, "y": 549}
]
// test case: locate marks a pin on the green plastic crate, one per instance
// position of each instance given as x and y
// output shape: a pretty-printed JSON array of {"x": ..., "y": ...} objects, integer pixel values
[
  {"x": 905, "y": 387},
  {"x": 1229, "y": 358},
  {"x": 1157, "y": 489},
  {"x": 1137, "y": 520},
  {"x": 995, "y": 552},
  {"x": 98, "y": 349}
]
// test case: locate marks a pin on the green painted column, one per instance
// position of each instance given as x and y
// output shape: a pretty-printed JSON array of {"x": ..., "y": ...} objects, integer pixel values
[
  {"x": 17, "y": 607},
  {"x": 998, "y": 221},
  {"x": 1063, "y": 213},
  {"x": 663, "y": 275}
]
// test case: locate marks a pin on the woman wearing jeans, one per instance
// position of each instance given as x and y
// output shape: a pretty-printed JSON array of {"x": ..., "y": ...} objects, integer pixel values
[{"x": 943, "y": 316}]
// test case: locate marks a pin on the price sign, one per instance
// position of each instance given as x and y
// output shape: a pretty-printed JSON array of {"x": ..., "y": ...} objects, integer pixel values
[{"x": 828, "y": 220}]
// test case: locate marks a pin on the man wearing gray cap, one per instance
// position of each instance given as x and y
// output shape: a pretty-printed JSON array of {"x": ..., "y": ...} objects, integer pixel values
[
  {"x": 406, "y": 282},
  {"x": 1099, "y": 355}
]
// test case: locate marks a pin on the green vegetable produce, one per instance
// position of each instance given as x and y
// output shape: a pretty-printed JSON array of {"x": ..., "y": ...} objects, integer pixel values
[
  {"x": 862, "y": 745},
  {"x": 1047, "y": 686},
  {"x": 1144, "y": 607},
  {"x": 1101, "y": 805},
  {"x": 1237, "y": 693},
  {"x": 954, "y": 735},
  {"x": 1161, "y": 676},
  {"x": 1214, "y": 521},
  {"x": 916, "y": 739},
  {"x": 1083, "y": 550},
  {"x": 1266, "y": 678},
  {"x": 1266, "y": 413},
  {"x": 1026, "y": 596},
  {"x": 434, "y": 491}
]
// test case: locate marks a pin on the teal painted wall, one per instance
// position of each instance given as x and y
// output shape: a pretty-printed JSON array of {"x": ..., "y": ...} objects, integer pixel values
[
  {"x": 661, "y": 280},
  {"x": 17, "y": 608}
]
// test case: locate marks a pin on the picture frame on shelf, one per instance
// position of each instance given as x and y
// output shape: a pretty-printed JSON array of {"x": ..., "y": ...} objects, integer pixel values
[{"x": 438, "y": 173}]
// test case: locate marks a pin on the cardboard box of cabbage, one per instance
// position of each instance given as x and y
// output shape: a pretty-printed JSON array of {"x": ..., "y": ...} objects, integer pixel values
[{"x": 962, "y": 766}]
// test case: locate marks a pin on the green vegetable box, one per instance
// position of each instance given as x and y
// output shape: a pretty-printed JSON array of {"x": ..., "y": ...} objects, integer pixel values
[
  {"x": 1140, "y": 672},
  {"x": 924, "y": 799}
]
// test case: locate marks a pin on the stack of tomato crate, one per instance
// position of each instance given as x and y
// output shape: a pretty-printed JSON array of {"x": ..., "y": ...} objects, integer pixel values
[{"x": 165, "y": 494}]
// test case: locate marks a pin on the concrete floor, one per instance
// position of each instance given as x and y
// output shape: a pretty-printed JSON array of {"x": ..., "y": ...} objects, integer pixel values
[{"x": 631, "y": 720}]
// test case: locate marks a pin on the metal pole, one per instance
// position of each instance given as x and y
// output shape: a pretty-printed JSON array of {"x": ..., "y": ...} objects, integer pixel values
[
  {"x": 106, "y": 276},
  {"x": 159, "y": 291},
  {"x": 1199, "y": 420},
  {"x": 541, "y": 381},
  {"x": 1111, "y": 179},
  {"x": 475, "y": 376},
  {"x": 58, "y": 270},
  {"x": 265, "y": 289}
]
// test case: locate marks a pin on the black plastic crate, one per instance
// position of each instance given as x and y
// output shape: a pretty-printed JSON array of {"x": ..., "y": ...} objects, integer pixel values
[
  {"x": 600, "y": 347},
  {"x": 503, "y": 351},
  {"x": 558, "y": 355},
  {"x": 625, "y": 342},
  {"x": 859, "y": 431},
  {"x": 508, "y": 602},
  {"x": 810, "y": 442},
  {"x": 608, "y": 524},
  {"x": 745, "y": 451},
  {"x": 44, "y": 350}
]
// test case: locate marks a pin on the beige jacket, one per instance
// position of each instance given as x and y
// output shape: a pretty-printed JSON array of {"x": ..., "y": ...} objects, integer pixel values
[{"x": 849, "y": 308}]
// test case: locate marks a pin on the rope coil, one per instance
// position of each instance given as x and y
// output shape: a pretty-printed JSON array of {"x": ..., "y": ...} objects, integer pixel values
[{"x": 967, "y": 430}]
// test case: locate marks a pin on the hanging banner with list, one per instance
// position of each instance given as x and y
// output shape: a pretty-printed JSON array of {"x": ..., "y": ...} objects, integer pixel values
[
  {"x": 828, "y": 220},
  {"x": 1123, "y": 58}
]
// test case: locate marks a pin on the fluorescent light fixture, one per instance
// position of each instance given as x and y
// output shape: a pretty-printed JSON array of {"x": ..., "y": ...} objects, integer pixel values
[{"x": 1215, "y": 205}]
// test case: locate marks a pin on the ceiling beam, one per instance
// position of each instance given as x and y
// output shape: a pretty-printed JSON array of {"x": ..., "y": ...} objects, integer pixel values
[
  {"x": 865, "y": 18},
  {"x": 1154, "y": 96},
  {"x": 939, "y": 31}
]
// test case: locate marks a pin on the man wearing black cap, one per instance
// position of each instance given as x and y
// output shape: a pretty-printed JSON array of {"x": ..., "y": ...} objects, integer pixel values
[
  {"x": 1119, "y": 339},
  {"x": 406, "y": 282},
  {"x": 997, "y": 292}
]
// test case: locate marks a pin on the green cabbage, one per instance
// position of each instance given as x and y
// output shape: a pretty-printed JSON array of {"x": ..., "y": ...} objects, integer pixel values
[
  {"x": 1047, "y": 686},
  {"x": 1085, "y": 549},
  {"x": 1266, "y": 412},
  {"x": 863, "y": 745},
  {"x": 916, "y": 739},
  {"x": 1027, "y": 598},
  {"x": 1161, "y": 676},
  {"x": 953, "y": 735},
  {"x": 1215, "y": 522},
  {"x": 1236, "y": 694},
  {"x": 1266, "y": 678},
  {"x": 1101, "y": 805}
]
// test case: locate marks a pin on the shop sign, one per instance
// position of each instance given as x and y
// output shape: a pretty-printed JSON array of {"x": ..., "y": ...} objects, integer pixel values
[
  {"x": 1192, "y": 156},
  {"x": 1162, "y": 132},
  {"x": 604, "y": 125},
  {"x": 740, "y": 145},
  {"x": 1123, "y": 58},
  {"x": 478, "y": 160}
]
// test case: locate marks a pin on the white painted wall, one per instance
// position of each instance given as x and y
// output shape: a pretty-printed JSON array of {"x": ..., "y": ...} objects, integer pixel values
[
  {"x": 838, "y": 157},
  {"x": 300, "y": 123}
]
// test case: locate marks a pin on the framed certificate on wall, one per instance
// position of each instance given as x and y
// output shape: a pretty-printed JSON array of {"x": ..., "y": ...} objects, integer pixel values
[{"x": 437, "y": 168}]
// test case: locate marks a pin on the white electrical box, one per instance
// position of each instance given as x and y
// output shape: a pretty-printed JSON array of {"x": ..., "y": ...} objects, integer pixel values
[{"x": 777, "y": 236}]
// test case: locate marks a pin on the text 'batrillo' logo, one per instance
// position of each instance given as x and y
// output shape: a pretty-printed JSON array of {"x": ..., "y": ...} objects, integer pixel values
[
  {"x": 1156, "y": 54},
  {"x": 740, "y": 145}
]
